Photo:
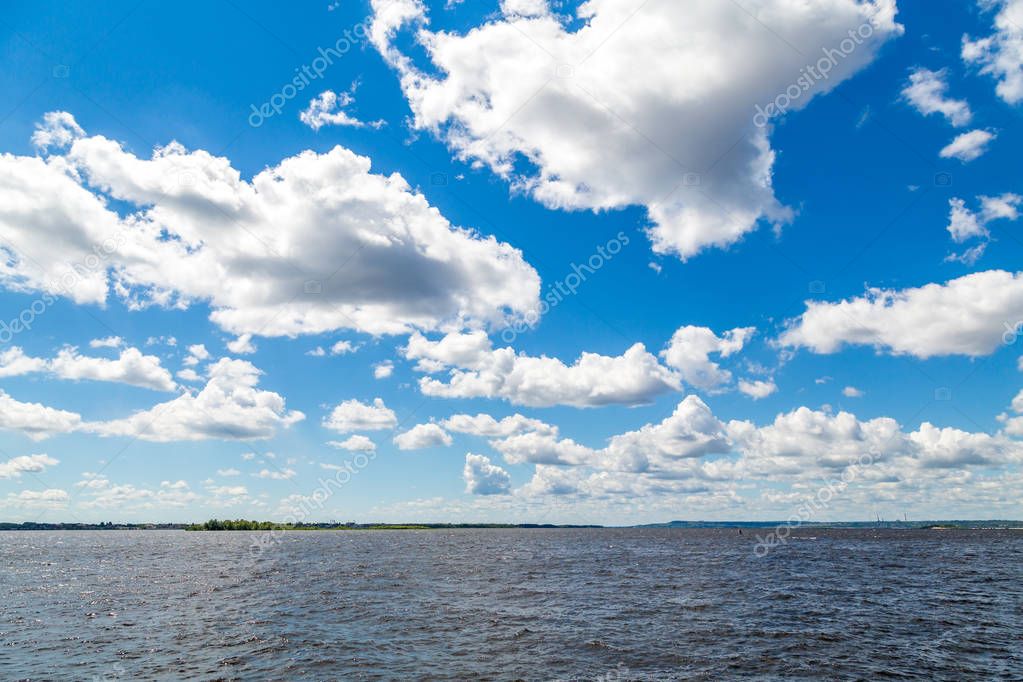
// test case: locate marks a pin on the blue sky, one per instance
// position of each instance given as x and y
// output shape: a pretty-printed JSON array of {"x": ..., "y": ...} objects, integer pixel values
[{"x": 742, "y": 259}]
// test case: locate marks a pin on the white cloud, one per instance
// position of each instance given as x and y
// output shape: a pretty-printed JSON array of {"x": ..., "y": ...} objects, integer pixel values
[
  {"x": 692, "y": 431},
  {"x": 1004, "y": 206},
  {"x": 953, "y": 448},
  {"x": 1001, "y": 54},
  {"x": 967, "y": 146},
  {"x": 693, "y": 455},
  {"x": 964, "y": 316},
  {"x": 228, "y": 491},
  {"x": 51, "y": 498},
  {"x": 965, "y": 224},
  {"x": 962, "y": 222},
  {"x": 968, "y": 256},
  {"x": 757, "y": 389},
  {"x": 1014, "y": 425},
  {"x": 58, "y": 129},
  {"x": 196, "y": 354},
  {"x": 229, "y": 407},
  {"x": 452, "y": 350},
  {"x": 689, "y": 433},
  {"x": 188, "y": 374},
  {"x": 477, "y": 371},
  {"x": 524, "y": 8},
  {"x": 128, "y": 496},
  {"x": 34, "y": 420},
  {"x": 541, "y": 448},
  {"x": 627, "y": 109},
  {"x": 161, "y": 340},
  {"x": 802, "y": 439},
  {"x": 485, "y": 425},
  {"x": 352, "y": 415},
  {"x": 422, "y": 436},
  {"x": 357, "y": 443},
  {"x": 264, "y": 254},
  {"x": 276, "y": 474},
  {"x": 338, "y": 348},
  {"x": 92, "y": 481},
  {"x": 131, "y": 367},
  {"x": 1017, "y": 403},
  {"x": 14, "y": 362},
  {"x": 927, "y": 92},
  {"x": 689, "y": 352},
  {"x": 852, "y": 392},
  {"x": 382, "y": 370},
  {"x": 108, "y": 342},
  {"x": 343, "y": 348},
  {"x": 483, "y": 478},
  {"x": 230, "y": 471},
  {"x": 16, "y": 466},
  {"x": 328, "y": 109},
  {"x": 242, "y": 345}
]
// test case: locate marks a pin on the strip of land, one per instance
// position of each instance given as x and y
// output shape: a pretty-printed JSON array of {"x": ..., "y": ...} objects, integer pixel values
[{"x": 250, "y": 525}]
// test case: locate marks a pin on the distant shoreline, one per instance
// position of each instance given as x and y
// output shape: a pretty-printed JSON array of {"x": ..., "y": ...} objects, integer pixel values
[{"x": 239, "y": 525}]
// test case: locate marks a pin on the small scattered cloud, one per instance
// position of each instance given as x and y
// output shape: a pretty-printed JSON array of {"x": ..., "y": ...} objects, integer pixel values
[
  {"x": 422, "y": 436},
  {"x": 242, "y": 345},
  {"x": 352, "y": 415},
  {"x": 328, "y": 109},
  {"x": 482, "y": 477},
  {"x": 356, "y": 443},
  {"x": 276, "y": 474},
  {"x": 757, "y": 389},
  {"x": 927, "y": 92},
  {"x": 26, "y": 464},
  {"x": 108, "y": 342},
  {"x": 968, "y": 146}
]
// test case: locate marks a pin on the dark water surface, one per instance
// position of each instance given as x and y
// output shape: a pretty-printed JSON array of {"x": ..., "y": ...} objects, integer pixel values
[{"x": 609, "y": 605}]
